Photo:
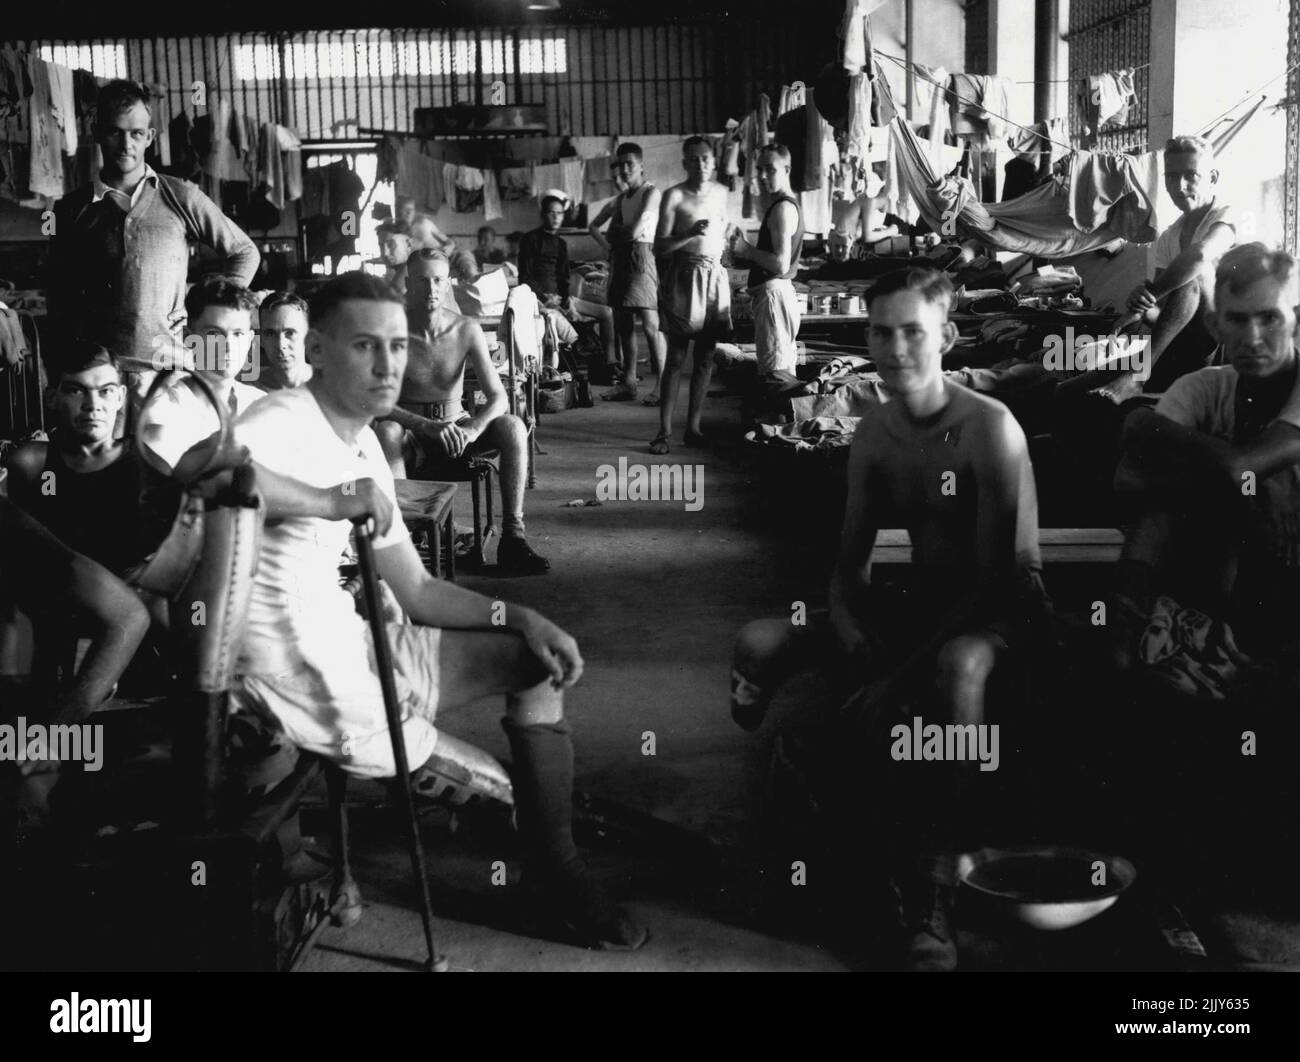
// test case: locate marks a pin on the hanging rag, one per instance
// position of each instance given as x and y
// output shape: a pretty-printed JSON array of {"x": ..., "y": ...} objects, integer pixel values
[
  {"x": 792, "y": 97},
  {"x": 814, "y": 173},
  {"x": 63, "y": 105},
  {"x": 1109, "y": 97},
  {"x": 854, "y": 31},
  {"x": 13, "y": 344},
  {"x": 491, "y": 197},
  {"x": 291, "y": 147},
  {"x": 859, "y": 134},
  {"x": 517, "y": 183},
  {"x": 1100, "y": 180},
  {"x": 572, "y": 172},
  {"x": 979, "y": 107},
  {"x": 932, "y": 101},
  {"x": 46, "y": 163}
]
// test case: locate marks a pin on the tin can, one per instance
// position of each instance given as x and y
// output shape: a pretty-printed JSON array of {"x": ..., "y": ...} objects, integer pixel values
[
  {"x": 850, "y": 305},
  {"x": 824, "y": 304},
  {"x": 801, "y": 300}
]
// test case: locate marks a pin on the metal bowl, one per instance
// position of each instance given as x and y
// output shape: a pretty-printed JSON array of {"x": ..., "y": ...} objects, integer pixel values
[{"x": 1053, "y": 887}]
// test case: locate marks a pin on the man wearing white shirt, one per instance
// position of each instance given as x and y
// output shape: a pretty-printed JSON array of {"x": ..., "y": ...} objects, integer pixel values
[
  {"x": 1216, "y": 466},
  {"x": 308, "y": 658}
]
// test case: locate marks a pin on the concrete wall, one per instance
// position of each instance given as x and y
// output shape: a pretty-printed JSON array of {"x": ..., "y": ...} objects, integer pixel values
[
  {"x": 1207, "y": 63},
  {"x": 940, "y": 30}
]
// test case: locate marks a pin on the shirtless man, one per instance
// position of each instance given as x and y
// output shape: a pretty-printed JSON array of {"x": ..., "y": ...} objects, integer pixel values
[
  {"x": 694, "y": 293},
  {"x": 952, "y": 467},
  {"x": 430, "y": 433},
  {"x": 282, "y": 328},
  {"x": 421, "y": 228},
  {"x": 634, "y": 281},
  {"x": 394, "y": 250}
]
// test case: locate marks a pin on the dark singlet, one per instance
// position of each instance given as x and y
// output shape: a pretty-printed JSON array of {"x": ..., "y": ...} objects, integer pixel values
[
  {"x": 758, "y": 275},
  {"x": 96, "y": 514}
]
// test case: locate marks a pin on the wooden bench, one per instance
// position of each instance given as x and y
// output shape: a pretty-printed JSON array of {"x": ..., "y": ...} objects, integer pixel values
[
  {"x": 426, "y": 506},
  {"x": 1059, "y": 545}
]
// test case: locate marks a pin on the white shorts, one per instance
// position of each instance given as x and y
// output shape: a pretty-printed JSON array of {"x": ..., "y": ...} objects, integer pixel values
[
  {"x": 776, "y": 326},
  {"x": 341, "y": 717}
]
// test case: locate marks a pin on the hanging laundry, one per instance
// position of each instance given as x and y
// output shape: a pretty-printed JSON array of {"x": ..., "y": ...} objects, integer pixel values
[
  {"x": 464, "y": 184},
  {"x": 792, "y": 96},
  {"x": 859, "y": 133},
  {"x": 13, "y": 344},
  {"x": 517, "y": 183},
  {"x": 491, "y": 197},
  {"x": 979, "y": 107},
  {"x": 46, "y": 164},
  {"x": 63, "y": 105},
  {"x": 854, "y": 31},
  {"x": 345, "y": 189},
  {"x": 291, "y": 147},
  {"x": 420, "y": 177},
  {"x": 598, "y": 178},
  {"x": 1107, "y": 99},
  {"x": 1100, "y": 180},
  {"x": 15, "y": 80},
  {"x": 814, "y": 173},
  {"x": 931, "y": 99},
  {"x": 572, "y": 171}
]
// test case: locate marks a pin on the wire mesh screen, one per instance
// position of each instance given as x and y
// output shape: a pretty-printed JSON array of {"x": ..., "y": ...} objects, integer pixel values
[
  {"x": 1292, "y": 221},
  {"x": 1106, "y": 36},
  {"x": 592, "y": 80}
]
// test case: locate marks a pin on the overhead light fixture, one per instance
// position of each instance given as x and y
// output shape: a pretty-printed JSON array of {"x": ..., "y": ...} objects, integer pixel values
[{"x": 542, "y": 5}]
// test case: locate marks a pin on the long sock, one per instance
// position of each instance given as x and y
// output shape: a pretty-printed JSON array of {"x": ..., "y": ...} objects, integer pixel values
[
  {"x": 512, "y": 525},
  {"x": 543, "y": 788}
]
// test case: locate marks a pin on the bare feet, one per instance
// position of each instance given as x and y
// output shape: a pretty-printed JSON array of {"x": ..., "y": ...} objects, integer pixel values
[{"x": 1121, "y": 389}]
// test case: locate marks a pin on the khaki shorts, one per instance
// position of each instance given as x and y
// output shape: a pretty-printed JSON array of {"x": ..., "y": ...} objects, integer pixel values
[{"x": 776, "y": 326}]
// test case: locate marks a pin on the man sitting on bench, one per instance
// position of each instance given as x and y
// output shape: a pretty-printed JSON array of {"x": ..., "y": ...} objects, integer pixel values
[
  {"x": 952, "y": 467},
  {"x": 429, "y": 434},
  {"x": 1216, "y": 465},
  {"x": 307, "y": 656}
]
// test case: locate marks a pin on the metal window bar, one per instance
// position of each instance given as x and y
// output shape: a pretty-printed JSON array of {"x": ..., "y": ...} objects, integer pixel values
[{"x": 1108, "y": 35}]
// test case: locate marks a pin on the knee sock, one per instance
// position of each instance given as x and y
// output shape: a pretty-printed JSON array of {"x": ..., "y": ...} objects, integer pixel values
[
  {"x": 543, "y": 786},
  {"x": 512, "y": 525}
]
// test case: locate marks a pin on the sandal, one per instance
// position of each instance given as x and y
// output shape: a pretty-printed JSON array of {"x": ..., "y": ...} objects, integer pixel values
[
  {"x": 652, "y": 399},
  {"x": 696, "y": 438},
  {"x": 659, "y": 444},
  {"x": 621, "y": 393}
]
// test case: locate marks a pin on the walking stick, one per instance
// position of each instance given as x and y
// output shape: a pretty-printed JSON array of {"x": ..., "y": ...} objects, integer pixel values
[{"x": 383, "y": 658}]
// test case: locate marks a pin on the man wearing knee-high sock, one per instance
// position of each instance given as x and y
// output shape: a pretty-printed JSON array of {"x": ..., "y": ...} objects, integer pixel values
[{"x": 307, "y": 657}]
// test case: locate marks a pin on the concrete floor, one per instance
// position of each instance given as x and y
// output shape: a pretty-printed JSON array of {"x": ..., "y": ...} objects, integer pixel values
[{"x": 654, "y": 595}]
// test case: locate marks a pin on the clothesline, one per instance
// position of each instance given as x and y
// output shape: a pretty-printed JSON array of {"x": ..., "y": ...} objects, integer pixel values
[
  {"x": 1070, "y": 147},
  {"x": 974, "y": 103},
  {"x": 1065, "y": 80}
]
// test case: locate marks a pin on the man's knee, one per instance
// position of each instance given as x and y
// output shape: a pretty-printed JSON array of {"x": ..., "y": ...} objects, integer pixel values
[
  {"x": 966, "y": 660},
  {"x": 391, "y": 437},
  {"x": 508, "y": 433},
  {"x": 761, "y": 643}
]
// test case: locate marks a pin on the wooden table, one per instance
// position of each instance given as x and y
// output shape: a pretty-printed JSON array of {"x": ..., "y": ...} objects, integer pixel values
[{"x": 425, "y": 505}]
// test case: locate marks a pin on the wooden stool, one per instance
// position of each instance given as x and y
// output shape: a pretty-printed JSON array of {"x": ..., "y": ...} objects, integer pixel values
[{"x": 426, "y": 506}]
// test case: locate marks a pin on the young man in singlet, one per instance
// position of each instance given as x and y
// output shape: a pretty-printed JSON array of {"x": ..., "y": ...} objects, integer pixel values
[
  {"x": 83, "y": 484},
  {"x": 634, "y": 282},
  {"x": 952, "y": 467},
  {"x": 774, "y": 264}
]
